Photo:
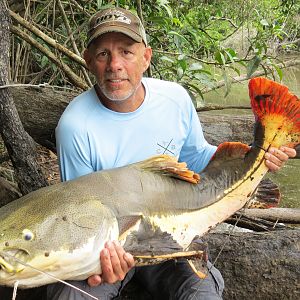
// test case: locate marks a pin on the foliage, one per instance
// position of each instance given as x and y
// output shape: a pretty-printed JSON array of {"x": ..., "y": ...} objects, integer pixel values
[{"x": 196, "y": 43}]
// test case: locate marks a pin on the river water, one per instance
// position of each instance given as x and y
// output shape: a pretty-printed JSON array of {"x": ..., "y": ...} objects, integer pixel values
[{"x": 288, "y": 178}]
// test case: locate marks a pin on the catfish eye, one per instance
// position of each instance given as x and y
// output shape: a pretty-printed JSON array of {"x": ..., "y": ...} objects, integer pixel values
[{"x": 27, "y": 235}]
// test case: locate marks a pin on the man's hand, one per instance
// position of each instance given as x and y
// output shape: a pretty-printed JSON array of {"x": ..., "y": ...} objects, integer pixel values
[
  {"x": 275, "y": 158},
  {"x": 115, "y": 263}
]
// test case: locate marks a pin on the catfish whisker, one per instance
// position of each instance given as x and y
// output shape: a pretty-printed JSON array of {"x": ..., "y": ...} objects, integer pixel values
[
  {"x": 45, "y": 273},
  {"x": 15, "y": 290}
]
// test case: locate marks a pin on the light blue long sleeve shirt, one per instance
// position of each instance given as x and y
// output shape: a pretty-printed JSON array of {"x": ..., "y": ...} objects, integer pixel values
[{"x": 91, "y": 137}]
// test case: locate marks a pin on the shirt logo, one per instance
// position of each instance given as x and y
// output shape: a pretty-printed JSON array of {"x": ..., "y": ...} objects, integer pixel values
[{"x": 165, "y": 147}]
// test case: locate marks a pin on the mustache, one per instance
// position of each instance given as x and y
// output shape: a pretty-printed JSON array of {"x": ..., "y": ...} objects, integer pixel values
[{"x": 114, "y": 76}]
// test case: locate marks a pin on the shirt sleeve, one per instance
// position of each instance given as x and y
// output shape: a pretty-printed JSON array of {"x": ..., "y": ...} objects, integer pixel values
[
  {"x": 196, "y": 151},
  {"x": 73, "y": 149}
]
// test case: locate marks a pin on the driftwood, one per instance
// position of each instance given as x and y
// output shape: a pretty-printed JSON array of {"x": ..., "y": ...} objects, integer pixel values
[
  {"x": 284, "y": 215},
  {"x": 8, "y": 192},
  {"x": 258, "y": 265},
  {"x": 40, "y": 109}
]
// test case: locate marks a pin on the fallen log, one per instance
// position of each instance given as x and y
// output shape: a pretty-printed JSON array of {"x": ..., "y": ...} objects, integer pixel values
[
  {"x": 8, "y": 192},
  {"x": 258, "y": 265},
  {"x": 261, "y": 266},
  {"x": 283, "y": 215},
  {"x": 40, "y": 109}
]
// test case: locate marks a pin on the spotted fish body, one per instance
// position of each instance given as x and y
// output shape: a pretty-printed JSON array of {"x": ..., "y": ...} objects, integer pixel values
[{"x": 60, "y": 229}]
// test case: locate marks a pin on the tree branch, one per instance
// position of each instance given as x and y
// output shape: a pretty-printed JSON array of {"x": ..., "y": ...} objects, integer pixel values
[
  {"x": 47, "y": 39},
  {"x": 70, "y": 34},
  {"x": 75, "y": 79}
]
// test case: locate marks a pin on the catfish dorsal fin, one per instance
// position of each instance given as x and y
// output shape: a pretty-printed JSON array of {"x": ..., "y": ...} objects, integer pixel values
[{"x": 168, "y": 165}]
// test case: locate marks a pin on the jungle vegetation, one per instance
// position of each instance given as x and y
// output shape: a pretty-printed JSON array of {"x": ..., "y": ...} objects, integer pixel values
[{"x": 202, "y": 44}]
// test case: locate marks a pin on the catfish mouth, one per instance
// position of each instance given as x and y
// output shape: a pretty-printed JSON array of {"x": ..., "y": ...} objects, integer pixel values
[{"x": 11, "y": 260}]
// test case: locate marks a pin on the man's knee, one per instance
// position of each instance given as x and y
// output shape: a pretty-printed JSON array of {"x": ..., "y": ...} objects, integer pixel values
[
  {"x": 209, "y": 288},
  {"x": 105, "y": 291},
  {"x": 60, "y": 291}
]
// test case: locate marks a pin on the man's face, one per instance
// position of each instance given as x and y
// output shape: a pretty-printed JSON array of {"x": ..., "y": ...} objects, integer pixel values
[{"x": 118, "y": 63}]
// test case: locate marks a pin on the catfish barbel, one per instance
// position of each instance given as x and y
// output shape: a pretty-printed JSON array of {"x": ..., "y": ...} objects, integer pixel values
[{"x": 60, "y": 229}]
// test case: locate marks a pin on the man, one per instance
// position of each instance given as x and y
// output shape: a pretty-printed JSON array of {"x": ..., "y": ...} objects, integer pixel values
[{"x": 123, "y": 119}]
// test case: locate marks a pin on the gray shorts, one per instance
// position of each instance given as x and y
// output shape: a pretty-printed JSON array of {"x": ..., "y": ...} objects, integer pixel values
[{"x": 171, "y": 280}]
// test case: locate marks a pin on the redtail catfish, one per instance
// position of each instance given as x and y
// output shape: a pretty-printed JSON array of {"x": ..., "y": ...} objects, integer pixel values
[{"x": 60, "y": 229}]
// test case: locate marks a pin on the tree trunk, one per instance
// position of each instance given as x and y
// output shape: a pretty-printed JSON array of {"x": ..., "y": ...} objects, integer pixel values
[{"x": 18, "y": 143}]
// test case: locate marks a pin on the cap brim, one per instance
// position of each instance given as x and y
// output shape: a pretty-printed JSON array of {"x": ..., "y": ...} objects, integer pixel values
[{"x": 115, "y": 28}]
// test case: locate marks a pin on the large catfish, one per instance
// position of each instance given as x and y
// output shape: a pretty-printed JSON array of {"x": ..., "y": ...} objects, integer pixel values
[{"x": 60, "y": 229}]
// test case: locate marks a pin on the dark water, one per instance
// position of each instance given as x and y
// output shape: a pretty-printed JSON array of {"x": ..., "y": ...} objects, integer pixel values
[{"x": 289, "y": 177}]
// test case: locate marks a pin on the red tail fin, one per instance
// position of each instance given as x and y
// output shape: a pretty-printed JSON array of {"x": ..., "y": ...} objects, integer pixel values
[{"x": 277, "y": 110}]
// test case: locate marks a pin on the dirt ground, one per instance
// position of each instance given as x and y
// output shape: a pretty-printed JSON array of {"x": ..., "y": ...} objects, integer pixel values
[{"x": 46, "y": 158}]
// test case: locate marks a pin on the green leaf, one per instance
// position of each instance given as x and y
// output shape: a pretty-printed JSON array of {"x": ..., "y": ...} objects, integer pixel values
[
  {"x": 178, "y": 35},
  {"x": 237, "y": 70},
  {"x": 162, "y": 2},
  {"x": 264, "y": 22},
  {"x": 196, "y": 89},
  {"x": 195, "y": 67},
  {"x": 168, "y": 9},
  {"x": 227, "y": 83},
  {"x": 44, "y": 61},
  {"x": 177, "y": 22},
  {"x": 183, "y": 64},
  {"x": 219, "y": 57},
  {"x": 204, "y": 79},
  {"x": 181, "y": 56},
  {"x": 179, "y": 73},
  {"x": 253, "y": 65},
  {"x": 166, "y": 58},
  {"x": 279, "y": 71},
  {"x": 230, "y": 54},
  {"x": 99, "y": 4}
]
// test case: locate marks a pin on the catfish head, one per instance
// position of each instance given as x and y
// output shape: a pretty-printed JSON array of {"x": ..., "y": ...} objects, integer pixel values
[{"x": 44, "y": 232}]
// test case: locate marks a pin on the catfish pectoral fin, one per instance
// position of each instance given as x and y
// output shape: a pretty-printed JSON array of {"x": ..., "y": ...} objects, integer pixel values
[{"x": 143, "y": 260}]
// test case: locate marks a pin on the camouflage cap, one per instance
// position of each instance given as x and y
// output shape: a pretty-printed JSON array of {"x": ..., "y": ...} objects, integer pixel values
[{"x": 116, "y": 20}]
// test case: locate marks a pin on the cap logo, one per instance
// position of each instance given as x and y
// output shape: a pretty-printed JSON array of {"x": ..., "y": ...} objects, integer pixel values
[{"x": 112, "y": 17}]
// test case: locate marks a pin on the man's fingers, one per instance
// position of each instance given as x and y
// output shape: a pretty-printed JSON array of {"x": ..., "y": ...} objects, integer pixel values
[
  {"x": 116, "y": 257},
  {"x": 275, "y": 158},
  {"x": 291, "y": 152},
  {"x": 129, "y": 260},
  {"x": 122, "y": 263},
  {"x": 115, "y": 264},
  {"x": 279, "y": 155},
  {"x": 94, "y": 280},
  {"x": 106, "y": 267}
]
